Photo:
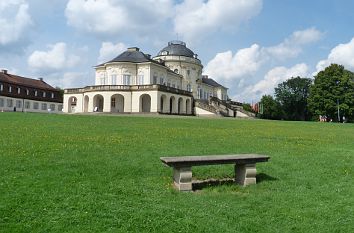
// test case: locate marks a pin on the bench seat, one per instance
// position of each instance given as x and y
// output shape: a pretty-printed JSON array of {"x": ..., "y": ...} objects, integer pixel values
[{"x": 245, "y": 167}]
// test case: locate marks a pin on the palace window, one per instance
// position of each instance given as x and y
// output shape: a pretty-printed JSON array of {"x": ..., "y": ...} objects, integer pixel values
[
  {"x": 161, "y": 80},
  {"x": 44, "y": 94},
  {"x": 18, "y": 103},
  {"x": 10, "y": 90},
  {"x": 9, "y": 103},
  {"x": 173, "y": 85},
  {"x": 126, "y": 79},
  {"x": 35, "y": 93},
  {"x": 27, "y": 105},
  {"x": 52, "y": 95},
  {"x": 103, "y": 79},
  {"x": 27, "y": 92},
  {"x": 1, "y": 102},
  {"x": 52, "y": 107},
  {"x": 1, "y": 87},
  {"x": 35, "y": 105},
  {"x": 168, "y": 84},
  {"x": 114, "y": 79},
  {"x": 189, "y": 87},
  {"x": 60, "y": 107},
  {"x": 113, "y": 102},
  {"x": 154, "y": 80},
  {"x": 141, "y": 79},
  {"x": 18, "y": 90},
  {"x": 44, "y": 106}
]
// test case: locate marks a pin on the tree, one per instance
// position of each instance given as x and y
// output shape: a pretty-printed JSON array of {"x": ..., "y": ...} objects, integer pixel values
[
  {"x": 247, "y": 107},
  {"x": 332, "y": 94},
  {"x": 61, "y": 92},
  {"x": 270, "y": 108},
  {"x": 292, "y": 96}
]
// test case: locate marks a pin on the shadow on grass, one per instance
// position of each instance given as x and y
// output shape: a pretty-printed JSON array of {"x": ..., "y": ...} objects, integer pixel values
[
  {"x": 201, "y": 184},
  {"x": 264, "y": 177}
]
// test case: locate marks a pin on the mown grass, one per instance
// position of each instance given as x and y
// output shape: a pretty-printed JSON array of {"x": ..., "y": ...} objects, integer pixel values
[{"x": 71, "y": 173}]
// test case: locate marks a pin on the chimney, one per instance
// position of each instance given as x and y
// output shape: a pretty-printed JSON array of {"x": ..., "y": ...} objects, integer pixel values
[
  {"x": 41, "y": 79},
  {"x": 4, "y": 71},
  {"x": 132, "y": 49},
  {"x": 148, "y": 56}
]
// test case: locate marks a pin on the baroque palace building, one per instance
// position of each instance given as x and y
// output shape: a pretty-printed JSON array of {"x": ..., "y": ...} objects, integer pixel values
[
  {"x": 28, "y": 95},
  {"x": 134, "y": 82}
]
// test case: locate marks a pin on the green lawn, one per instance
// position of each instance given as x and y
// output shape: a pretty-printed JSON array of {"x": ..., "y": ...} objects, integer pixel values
[{"x": 71, "y": 173}]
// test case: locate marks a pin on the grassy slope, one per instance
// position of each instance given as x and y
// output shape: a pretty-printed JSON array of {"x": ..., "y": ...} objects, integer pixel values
[{"x": 68, "y": 173}]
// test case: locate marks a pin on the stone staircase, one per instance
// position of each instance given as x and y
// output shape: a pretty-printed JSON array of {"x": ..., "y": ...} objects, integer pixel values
[{"x": 223, "y": 108}]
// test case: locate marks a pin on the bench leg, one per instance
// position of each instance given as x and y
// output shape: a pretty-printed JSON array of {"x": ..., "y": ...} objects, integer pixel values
[
  {"x": 245, "y": 174},
  {"x": 182, "y": 177}
]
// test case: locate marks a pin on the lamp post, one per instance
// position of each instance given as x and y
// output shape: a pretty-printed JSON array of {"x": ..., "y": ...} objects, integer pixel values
[
  {"x": 338, "y": 110},
  {"x": 338, "y": 113}
]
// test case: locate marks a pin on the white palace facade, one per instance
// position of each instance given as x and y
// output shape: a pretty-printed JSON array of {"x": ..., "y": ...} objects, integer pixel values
[{"x": 134, "y": 82}]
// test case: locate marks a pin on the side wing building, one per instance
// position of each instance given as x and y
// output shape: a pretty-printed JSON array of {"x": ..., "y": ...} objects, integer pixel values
[{"x": 28, "y": 95}]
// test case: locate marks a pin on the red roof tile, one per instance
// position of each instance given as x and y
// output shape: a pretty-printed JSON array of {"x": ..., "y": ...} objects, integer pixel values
[{"x": 18, "y": 80}]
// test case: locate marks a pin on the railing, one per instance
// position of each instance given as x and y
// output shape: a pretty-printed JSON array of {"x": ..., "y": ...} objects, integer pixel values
[
  {"x": 127, "y": 88},
  {"x": 204, "y": 105}
]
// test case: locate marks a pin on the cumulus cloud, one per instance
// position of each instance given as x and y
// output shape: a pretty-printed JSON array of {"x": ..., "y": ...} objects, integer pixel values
[
  {"x": 198, "y": 18},
  {"x": 246, "y": 62},
  {"x": 53, "y": 60},
  {"x": 108, "y": 51},
  {"x": 226, "y": 66},
  {"x": 342, "y": 54},
  {"x": 242, "y": 70},
  {"x": 15, "y": 22},
  {"x": 70, "y": 79},
  {"x": 292, "y": 46},
  {"x": 273, "y": 78},
  {"x": 117, "y": 17}
]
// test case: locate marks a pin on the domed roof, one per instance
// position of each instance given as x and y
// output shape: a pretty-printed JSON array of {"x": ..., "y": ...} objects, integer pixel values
[{"x": 177, "y": 48}]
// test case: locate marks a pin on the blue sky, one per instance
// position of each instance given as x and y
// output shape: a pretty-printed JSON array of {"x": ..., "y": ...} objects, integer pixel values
[{"x": 247, "y": 45}]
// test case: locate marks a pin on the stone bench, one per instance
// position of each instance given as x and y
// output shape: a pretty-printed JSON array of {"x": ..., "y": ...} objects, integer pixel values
[{"x": 245, "y": 167}]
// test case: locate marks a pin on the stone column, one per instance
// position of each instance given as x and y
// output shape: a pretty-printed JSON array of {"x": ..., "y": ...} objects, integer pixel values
[
  {"x": 182, "y": 177},
  {"x": 245, "y": 174}
]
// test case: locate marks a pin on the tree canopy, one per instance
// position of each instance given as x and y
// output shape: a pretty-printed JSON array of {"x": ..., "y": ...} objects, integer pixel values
[
  {"x": 292, "y": 96},
  {"x": 270, "y": 108},
  {"x": 333, "y": 90}
]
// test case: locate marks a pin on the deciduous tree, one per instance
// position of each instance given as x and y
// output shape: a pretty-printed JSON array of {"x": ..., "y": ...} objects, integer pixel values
[
  {"x": 270, "y": 108},
  {"x": 333, "y": 90},
  {"x": 292, "y": 96}
]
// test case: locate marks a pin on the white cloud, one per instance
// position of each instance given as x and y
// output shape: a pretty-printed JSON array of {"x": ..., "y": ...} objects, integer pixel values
[
  {"x": 292, "y": 46},
  {"x": 243, "y": 70},
  {"x": 245, "y": 62},
  {"x": 117, "y": 17},
  {"x": 272, "y": 79},
  {"x": 109, "y": 51},
  {"x": 15, "y": 21},
  {"x": 342, "y": 54},
  {"x": 53, "y": 60},
  {"x": 198, "y": 18},
  {"x": 70, "y": 79}
]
